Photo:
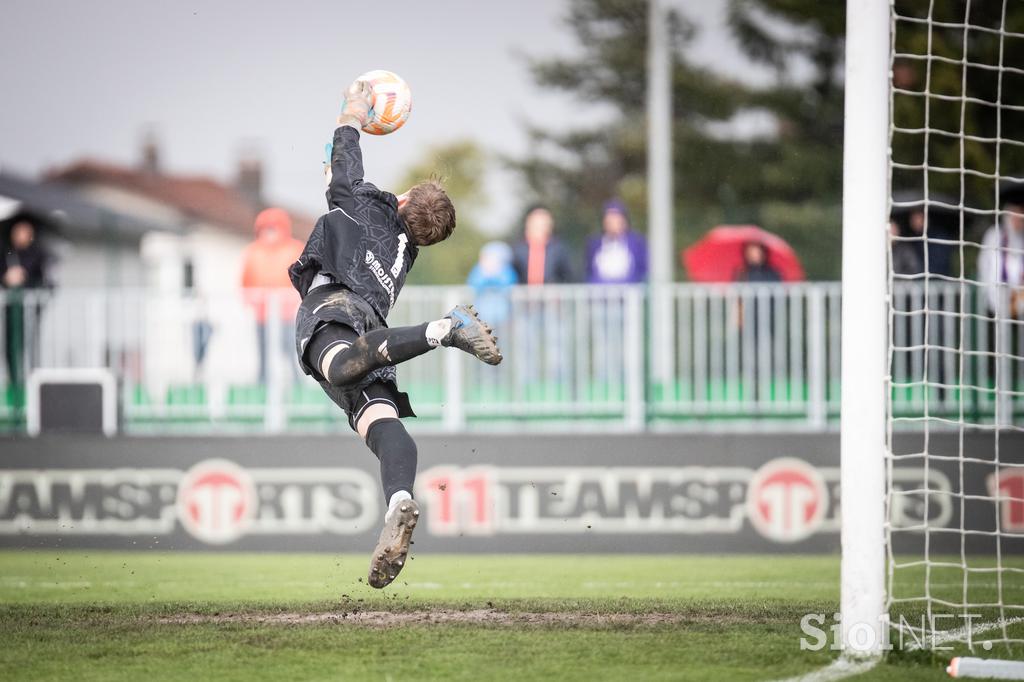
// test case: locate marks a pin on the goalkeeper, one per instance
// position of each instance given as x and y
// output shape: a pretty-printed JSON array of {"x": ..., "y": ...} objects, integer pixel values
[{"x": 349, "y": 275}]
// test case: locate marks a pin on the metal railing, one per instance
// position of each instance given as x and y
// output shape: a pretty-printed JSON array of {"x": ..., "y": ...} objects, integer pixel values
[
  {"x": 680, "y": 357},
  {"x": 738, "y": 354}
]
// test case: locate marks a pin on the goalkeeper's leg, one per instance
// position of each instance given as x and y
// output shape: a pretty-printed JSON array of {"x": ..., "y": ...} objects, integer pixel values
[
  {"x": 385, "y": 435},
  {"x": 343, "y": 357}
]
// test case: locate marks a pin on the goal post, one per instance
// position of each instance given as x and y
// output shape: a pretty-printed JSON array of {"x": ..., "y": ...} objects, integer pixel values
[{"x": 864, "y": 327}]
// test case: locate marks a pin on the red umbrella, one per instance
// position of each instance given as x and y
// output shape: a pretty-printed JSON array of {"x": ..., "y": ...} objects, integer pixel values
[{"x": 718, "y": 256}]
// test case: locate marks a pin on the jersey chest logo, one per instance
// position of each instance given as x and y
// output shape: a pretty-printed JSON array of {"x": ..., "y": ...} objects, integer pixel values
[{"x": 381, "y": 273}]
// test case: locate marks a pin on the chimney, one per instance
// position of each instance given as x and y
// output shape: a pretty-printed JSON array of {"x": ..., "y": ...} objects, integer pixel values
[
  {"x": 250, "y": 180},
  {"x": 150, "y": 153}
]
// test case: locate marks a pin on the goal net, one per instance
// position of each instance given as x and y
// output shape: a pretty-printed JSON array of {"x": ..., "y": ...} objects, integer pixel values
[{"x": 955, "y": 362}]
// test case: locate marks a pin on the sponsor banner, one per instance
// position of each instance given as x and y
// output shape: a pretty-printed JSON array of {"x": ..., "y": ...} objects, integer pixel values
[{"x": 651, "y": 493}]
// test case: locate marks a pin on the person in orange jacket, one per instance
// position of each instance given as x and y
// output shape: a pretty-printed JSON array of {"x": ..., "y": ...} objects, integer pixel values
[{"x": 265, "y": 281}]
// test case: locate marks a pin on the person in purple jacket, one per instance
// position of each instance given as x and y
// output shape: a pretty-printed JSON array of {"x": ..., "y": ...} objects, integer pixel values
[{"x": 618, "y": 255}]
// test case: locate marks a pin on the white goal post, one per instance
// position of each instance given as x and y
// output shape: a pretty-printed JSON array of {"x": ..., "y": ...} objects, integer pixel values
[{"x": 864, "y": 324}]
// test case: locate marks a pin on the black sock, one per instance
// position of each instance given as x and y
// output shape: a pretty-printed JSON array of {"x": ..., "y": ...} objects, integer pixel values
[
  {"x": 396, "y": 450},
  {"x": 373, "y": 350}
]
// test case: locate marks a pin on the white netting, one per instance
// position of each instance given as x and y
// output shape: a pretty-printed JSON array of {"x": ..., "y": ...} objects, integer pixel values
[{"x": 956, "y": 363}]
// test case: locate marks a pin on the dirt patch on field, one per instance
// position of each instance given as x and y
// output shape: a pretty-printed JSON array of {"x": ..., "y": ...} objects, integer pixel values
[{"x": 494, "y": 617}]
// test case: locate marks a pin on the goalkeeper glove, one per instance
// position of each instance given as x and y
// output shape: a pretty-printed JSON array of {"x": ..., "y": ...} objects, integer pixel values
[{"x": 355, "y": 111}]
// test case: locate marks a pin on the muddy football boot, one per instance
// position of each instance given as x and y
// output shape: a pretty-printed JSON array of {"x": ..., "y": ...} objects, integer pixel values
[
  {"x": 393, "y": 546},
  {"x": 473, "y": 335}
]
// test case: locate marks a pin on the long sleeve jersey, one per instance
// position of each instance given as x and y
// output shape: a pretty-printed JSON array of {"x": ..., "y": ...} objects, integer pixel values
[{"x": 361, "y": 242}]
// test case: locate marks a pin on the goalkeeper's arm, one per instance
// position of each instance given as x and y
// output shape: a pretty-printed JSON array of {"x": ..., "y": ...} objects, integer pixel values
[{"x": 346, "y": 156}]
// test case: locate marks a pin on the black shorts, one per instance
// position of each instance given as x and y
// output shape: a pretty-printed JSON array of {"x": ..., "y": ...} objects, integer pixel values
[
  {"x": 334, "y": 304},
  {"x": 379, "y": 392}
]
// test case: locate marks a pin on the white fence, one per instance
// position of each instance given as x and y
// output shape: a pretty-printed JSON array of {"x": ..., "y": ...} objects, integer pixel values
[
  {"x": 726, "y": 357},
  {"x": 765, "y": 353}
]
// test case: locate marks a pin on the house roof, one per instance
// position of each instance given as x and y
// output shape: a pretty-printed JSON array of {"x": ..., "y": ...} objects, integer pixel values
[
  {"x": 60, "y": 206},
  {"x": 197, "y": 197}
]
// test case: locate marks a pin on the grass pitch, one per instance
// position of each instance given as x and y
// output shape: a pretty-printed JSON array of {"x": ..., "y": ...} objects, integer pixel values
[{"x": 88, "y": 615}]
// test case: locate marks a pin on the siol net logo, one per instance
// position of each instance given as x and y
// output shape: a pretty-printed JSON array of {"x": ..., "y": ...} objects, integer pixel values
[
  {"x": 786, "y": 500},
  {"x": 216, "y": 501}
]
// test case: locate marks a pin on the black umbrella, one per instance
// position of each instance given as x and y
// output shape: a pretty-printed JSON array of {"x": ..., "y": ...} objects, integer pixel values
[
  {"x": 1011, "y": 193},
  {"x": 40, "y": 221},
  {"x": 943, "y": 211}
]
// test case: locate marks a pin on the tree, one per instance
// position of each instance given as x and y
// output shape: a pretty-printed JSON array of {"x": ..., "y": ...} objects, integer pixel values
[
  {"x": 789, "y": 182},
  {"x": 801, "y": 166},
  {"x": 979, "y": 104},
  {"x": 576, "y": 170},
  {"x": 460, "y": 167}
]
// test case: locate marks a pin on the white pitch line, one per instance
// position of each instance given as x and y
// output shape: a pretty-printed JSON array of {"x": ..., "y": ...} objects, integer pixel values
[
  {"x": 960, "y": 634},
  {"x": 838, "y": 669}
]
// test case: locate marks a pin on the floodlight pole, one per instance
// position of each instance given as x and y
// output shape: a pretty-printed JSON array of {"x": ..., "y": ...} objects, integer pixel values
[
  {"x": 659, "y": 186},
  {"x": 864, "y": 325}
]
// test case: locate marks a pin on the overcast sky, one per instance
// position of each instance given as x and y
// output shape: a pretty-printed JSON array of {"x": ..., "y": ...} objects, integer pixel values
[{"x": 213, "y": 78}]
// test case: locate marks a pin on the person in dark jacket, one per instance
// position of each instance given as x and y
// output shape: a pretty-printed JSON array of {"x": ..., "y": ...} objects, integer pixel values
[
  {"x": 349, "y": 274},
  {"x": 921, "y": 238},
  {"x": 539, "y": 324},
  {"x": 754, "y": 310},
  {"x": 907, "y": 256},
  {"x": 541, "y": 258},
  {"x": 25, "y": 261},
  {"x": 756, "y": 267},
  {"x": 22, "y": 268}
]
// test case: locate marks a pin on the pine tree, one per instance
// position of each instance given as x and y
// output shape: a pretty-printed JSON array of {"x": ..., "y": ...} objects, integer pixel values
[
  {"x": 576, "y": 170},
  {"x": 789, "y": 182},
  {"x": 962, "y": 101}
]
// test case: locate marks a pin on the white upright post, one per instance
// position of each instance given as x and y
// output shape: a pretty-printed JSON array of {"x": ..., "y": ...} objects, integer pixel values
[
  {"x": 864, "y": 384},
  {"x": 659, "y": 187}
]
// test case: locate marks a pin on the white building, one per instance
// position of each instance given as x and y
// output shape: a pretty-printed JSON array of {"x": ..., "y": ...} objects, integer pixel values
[{"x": 174, "y": 240}]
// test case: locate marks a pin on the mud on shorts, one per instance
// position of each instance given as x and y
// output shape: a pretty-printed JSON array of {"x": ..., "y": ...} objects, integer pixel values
[{"x": 336, "y": 304}]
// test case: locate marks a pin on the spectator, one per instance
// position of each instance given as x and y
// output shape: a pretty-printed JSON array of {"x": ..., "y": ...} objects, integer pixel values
[
  {"x": 540, "y": 325},
  {"x": 756, "y": 310},
  {"x": 917, "y": 228},
  {"x": 755, "y": 265},
  {"x": 265, "y": 281},
  {"x": 25, "y": 260},
  {"x": 909, "y": 253},
  {"x": 491, "y": 279},
  {"x": 618, "y": 255},
  {"x": 1001, "y": 273},
  {"x": 907, "y": 256},
  {"x": 22, "y": 269},
  {"x": 907, "y": 260},
  {"x": 541, "y": 258},
  {"x": 1001, "y": 258}
]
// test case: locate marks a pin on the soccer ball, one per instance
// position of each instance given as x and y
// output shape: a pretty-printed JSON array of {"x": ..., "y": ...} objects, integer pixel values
[{"x": 392, "y": 102}]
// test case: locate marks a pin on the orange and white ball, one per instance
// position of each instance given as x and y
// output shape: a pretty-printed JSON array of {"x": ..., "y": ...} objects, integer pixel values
[{"x": 391, "y": 104}]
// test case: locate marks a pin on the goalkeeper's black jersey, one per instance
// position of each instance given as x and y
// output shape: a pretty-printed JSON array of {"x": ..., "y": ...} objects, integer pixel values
[{"x": 361, "y": 242}]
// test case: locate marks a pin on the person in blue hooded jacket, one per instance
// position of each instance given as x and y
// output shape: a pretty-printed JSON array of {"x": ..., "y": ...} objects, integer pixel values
[{"x": 492, "y": 279}]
